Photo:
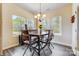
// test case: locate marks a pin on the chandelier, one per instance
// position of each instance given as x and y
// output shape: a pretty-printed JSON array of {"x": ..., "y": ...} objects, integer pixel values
[{"x": 40, "y": 15}]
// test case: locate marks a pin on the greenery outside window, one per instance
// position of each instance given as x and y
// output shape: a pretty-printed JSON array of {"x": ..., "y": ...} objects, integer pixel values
[
  {"x": 56, "y": 24},
  {"x": 45, "y": 23},
  {"x": 19, "y": 22}
]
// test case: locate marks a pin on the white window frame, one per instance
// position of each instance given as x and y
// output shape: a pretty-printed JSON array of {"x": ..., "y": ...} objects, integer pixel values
[
  {"x": 60, "y": 25},
  {"x": 15, "y": 33},
  {"x": 47, "y": 23},
  {"x": 31, "y": 19},
  {"x": 18, "y": 33}
]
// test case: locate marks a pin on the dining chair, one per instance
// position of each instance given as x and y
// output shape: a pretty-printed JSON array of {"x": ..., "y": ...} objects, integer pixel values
[
  {"x": 41, "y": 46},
  {"x": 50, "y": 38},
  {"x": 46, "y": 41},
  {"x": 26, "y": 40}
]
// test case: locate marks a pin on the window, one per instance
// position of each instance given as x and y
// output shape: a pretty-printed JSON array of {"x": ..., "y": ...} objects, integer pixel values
[
  {"x": 19, "y": 22},
  {"x": 31, "y": 24},
  {"x": 45, "y": 23},
  {"x": 56, "y": 25}
]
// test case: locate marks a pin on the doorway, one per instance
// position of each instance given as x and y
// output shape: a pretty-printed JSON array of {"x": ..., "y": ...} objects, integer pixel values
[
  {"x": 78, "y": 28},
  {"x": 0, "y": 28}
]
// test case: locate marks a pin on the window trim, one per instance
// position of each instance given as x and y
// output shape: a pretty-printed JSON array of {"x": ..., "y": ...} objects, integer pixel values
[
  {"x": 18, "y": 33},
  {"x": 60, "y": 25}
]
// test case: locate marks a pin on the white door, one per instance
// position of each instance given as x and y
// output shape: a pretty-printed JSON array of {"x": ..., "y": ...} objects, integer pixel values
[
  {"x": 74, "y": 37},
  {"x": 74, "y": 28},
  {"x": 78, "y": 28}
]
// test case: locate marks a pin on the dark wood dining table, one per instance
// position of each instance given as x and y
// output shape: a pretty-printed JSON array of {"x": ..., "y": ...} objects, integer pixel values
[{"x": 38, "y": 35}]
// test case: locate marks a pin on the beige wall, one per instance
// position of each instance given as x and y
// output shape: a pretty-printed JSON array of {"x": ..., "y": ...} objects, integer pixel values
[
  {"x": 0, "y": 26},
  {"x": 65, "y": 12},
  {"x": 8, "y": 10}
]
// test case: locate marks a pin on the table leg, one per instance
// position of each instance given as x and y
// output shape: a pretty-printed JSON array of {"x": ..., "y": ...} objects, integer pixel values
[
  {"x": 38, "y": 46},
  {"x": 30, "y": 43}
]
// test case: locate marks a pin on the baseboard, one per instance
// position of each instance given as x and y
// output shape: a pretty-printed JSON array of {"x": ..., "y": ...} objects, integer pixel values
[
  {"x": 10, "y": 46},
  {"x": 62, "y": 44},
  {"x": 77, "y": 53},
  {"x": 18, "y": 44},
  {"x": 52, "y": 41}
]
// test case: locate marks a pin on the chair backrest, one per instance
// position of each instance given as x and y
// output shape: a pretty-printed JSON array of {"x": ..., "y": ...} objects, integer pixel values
[
  {"x": 25, "y": 35},
  {"x": 25, "y": 32},
  {"x": 25, "y": 26},
  {"x": 50, "y": 35},
  {"x": 49, "y": 38}
]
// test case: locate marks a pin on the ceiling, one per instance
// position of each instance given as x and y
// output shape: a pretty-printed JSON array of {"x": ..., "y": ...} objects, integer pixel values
[{"x": 35, "y": 7}]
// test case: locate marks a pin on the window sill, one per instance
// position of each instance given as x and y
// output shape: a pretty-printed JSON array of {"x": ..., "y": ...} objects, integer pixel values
[
  {"x": 16, "y": 34},
  {"x": 57, "y": 34}
]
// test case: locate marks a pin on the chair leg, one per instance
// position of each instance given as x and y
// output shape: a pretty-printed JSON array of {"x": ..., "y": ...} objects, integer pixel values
[
  {"x": 50, "y": 49},
  {"x": 30, "y": 49},
  {"x": 44, "y": 53},
  {"x": 25, "y": 50},
  {"x": 33, "y": 53},
  {"x": 51, "y": 45}
]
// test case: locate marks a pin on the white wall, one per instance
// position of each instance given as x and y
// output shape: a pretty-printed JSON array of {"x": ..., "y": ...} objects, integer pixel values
[
  {"x": 9, "y": 9},
  {"x": 65, "y": 12},
  {"x": 8, "y": 40},
  {"x": 75, "y": 36}
]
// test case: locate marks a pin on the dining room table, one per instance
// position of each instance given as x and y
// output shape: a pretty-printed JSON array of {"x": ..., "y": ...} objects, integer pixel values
[{"x": 38, "y": 35}]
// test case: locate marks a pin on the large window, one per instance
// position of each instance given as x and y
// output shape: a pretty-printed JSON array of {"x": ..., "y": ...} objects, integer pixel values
[
  {"x": 56, "y": 25},
  {"x": 45, "y": 23},
  {"x": 31, "y": 23},
  {"x": 19, "y": 23}
]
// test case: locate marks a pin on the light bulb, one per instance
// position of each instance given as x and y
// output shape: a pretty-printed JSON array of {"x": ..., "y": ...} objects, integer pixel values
[
  {"x": 44, "y": 15},
  {"x": 38, "y": 15},
  {"x": 35, "y": 16}
]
